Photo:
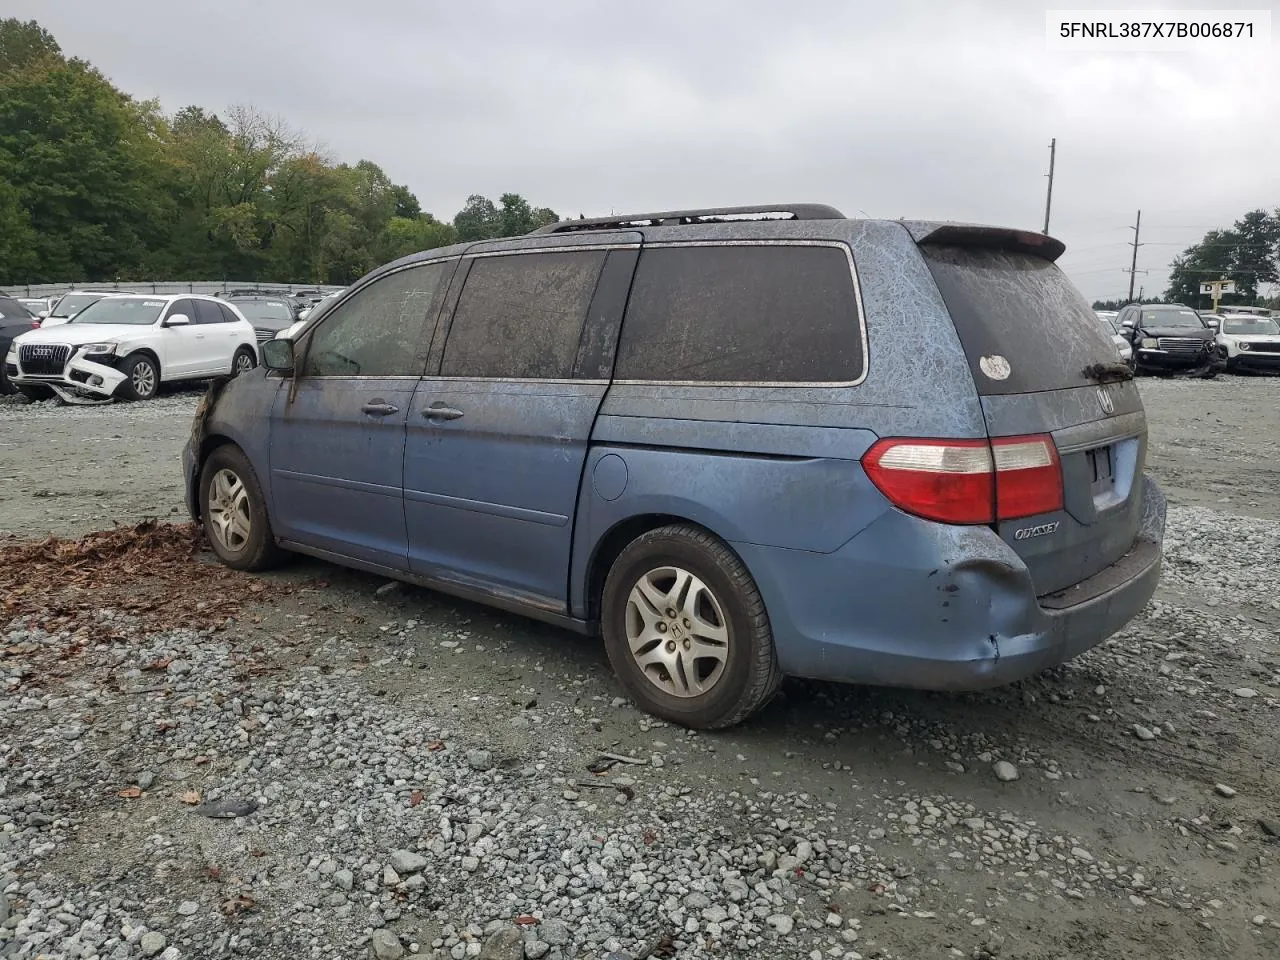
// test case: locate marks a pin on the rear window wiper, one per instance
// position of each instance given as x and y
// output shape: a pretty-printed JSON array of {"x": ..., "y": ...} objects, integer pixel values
[{"x": 1107, "y": 372}]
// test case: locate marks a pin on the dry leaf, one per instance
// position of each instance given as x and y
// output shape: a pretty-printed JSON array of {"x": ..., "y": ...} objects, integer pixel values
[
  {"x": 435, "y": 745},
  {"x": 525, "y": 920},
  {"x": 190, "y": 796},
  {"x": 130, "y": 793},
  {"x": 415, "y": 798},
  {"x": 238, "y": 905}
]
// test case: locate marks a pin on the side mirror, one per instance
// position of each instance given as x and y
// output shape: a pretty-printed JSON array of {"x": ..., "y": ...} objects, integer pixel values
[
  {"x": 43, "y": 314},
  {"x": 278, "y": 355},
  {"x": 1214, "y": 324},
  {"x": 177, "y": 320},
  {"x": 1127, "y": 324}
]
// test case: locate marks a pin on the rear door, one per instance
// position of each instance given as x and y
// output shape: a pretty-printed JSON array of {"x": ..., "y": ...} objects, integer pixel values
[
  {"x": 183, "y": 351},
  {"x": 497, "y": 439},
  {"x": 337, "y": 446},
  {"x": 220, "y": 338},
  {"x": 1039, "y": 358}
]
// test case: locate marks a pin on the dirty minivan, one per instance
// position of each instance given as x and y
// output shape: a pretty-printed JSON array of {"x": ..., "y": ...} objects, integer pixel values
[{"x": 738, "y": 444}]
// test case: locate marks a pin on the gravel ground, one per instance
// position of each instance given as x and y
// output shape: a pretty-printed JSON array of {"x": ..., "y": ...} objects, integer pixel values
[{"x": 415, "y": 775}]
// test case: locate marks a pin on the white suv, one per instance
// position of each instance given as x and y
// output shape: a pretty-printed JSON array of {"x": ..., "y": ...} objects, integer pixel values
[
  {"x": 126, "y": 346},
  {"x": 1248, "y": 341}
]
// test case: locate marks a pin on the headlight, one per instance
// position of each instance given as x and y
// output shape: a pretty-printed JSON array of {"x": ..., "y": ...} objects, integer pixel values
[
  {"x": 99, "y": 349},
  {"x": 1150, "y": 344},
  {"x": 1243, "y": 345}
]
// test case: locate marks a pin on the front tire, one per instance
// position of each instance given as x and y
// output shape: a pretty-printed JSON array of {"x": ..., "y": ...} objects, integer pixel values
[
  {"x": 234, "y": 512},
  {"x": 142, "y": 377},
  {"x": 686, "y": 629}
]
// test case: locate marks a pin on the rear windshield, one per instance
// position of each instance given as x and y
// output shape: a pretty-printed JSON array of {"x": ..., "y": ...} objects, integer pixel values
[
  {"x": 265, "y": 310},
  {"x": 1022, "y": 324}
]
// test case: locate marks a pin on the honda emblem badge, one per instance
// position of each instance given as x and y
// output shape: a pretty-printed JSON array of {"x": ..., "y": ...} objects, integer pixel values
[{"x": 1105, "y": 401}]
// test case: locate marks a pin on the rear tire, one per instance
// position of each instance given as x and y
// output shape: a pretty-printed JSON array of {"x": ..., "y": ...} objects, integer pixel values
[
  {"x": 34, "y": 392},
  {"x": 234, "y": 512},
  {"x": 142, "y": 377},
  {"x": 686, "y": 629},
  {"x": 244, "y": 361}
]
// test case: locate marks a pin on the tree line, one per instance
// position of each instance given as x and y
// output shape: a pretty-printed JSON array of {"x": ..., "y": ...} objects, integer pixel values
[
  {"x": 98, "y": 186},
  {"x": 1247, "y": 253}
]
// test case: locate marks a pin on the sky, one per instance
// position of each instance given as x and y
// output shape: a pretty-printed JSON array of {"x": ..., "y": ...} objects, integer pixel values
[{"x": 934, "y": 110}]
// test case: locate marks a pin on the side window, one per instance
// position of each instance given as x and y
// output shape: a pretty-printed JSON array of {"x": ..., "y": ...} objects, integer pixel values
[
  {"x": 227, "y": 315},
  {"x": 520, "y": 315},
  {"x": 206, "y": 312},
  {"x": 770, "y": 313},
  {"x": 383, "y": 329},
  {"x": 186, "y": 307}
]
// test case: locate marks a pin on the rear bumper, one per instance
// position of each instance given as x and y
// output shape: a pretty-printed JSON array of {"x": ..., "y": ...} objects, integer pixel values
[{"x": 909, "y": 603}]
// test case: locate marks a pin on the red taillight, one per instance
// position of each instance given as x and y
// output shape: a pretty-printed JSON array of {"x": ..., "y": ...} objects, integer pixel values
[
  {"x": 968, "y": 481},
  {"x": 1028, "y": 476}
]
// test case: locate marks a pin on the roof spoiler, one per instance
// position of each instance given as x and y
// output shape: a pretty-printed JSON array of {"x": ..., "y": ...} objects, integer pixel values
[{"x": 994, "y": 238}]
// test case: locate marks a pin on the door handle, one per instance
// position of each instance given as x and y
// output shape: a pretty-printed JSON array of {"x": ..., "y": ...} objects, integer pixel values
[
  {"x": 441, "y": 411},
  {"x": 378, "y": 408}
]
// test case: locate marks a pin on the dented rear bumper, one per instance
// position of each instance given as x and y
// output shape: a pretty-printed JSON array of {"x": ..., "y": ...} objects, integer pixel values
[{"x": 911, "y": 603}]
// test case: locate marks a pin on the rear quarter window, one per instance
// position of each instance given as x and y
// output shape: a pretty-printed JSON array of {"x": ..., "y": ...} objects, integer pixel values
[
  {"x": 767, "y": 313},
  {"x": 1024, "y": 326}
]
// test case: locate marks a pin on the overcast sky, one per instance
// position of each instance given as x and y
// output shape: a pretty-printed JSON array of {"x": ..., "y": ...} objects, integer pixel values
[{"x": 934, "y": 110}]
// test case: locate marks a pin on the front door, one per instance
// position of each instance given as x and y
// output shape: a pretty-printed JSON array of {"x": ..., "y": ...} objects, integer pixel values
[
  {"x": 337, "y": 444},
  {"x": 497, "y": 440}
]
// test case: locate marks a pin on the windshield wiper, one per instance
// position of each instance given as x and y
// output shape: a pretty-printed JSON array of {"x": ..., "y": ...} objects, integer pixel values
[{"x": 1107, "y": 372}]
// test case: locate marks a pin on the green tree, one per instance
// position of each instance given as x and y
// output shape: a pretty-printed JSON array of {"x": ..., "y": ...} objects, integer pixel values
[
  {"x": 478, "y": 219},
  {"x": 1210, "y": 259},
  {"x": 405, "y": 235},
  {"x": 25, "y": 46},
  {"x": 83, "y": 161},
  {"x": 1256, "y": 255}
]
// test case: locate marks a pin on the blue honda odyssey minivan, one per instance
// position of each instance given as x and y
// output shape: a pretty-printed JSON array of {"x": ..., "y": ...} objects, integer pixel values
[{"x": 737, "y": 443}]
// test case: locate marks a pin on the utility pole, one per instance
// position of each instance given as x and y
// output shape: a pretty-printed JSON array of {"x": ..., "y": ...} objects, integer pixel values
[
  {"x": 1048, "y": 199},
  {"x": 1133, "y": 266}
]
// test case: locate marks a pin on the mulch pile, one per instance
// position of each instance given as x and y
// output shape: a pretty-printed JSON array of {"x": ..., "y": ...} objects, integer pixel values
[{"x": 159, "y": 573}]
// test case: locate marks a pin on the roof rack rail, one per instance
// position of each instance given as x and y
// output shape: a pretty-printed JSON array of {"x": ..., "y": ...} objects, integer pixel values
[{"x": 674, "y": 218}]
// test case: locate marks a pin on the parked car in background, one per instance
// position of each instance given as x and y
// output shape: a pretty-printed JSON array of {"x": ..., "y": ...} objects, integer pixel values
[
  {"x": 1249, "y": 341},
  {"x": 15, "y": 319},
  {"x": 324, "y": 301},
  {"x": 1169, "y": 338},
  {"x": 36, "y": 305},
  {"x": 666, "y": 428},
  {"x": 71, "y": 303},
  {"x": 127, "y": 346},
  {"x": 1124, "y": 350},
  {"x": 269, "y": 315}
]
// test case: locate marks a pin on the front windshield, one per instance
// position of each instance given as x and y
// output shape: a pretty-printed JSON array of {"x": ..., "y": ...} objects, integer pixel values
[
  {"x": 1251, "y": 326},
  {"x": 137, "y": 311},
  {"x": 272, "y": 314},
  {"x": 1172, "y": 317},
  {"x": 72, "y": 303}
]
